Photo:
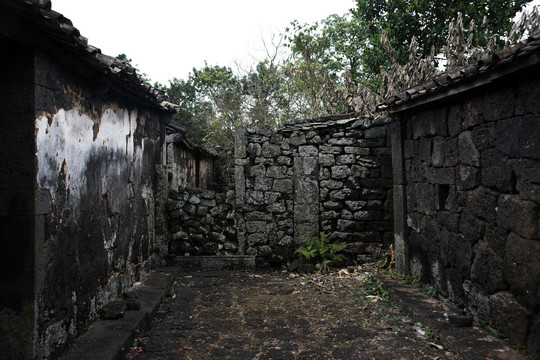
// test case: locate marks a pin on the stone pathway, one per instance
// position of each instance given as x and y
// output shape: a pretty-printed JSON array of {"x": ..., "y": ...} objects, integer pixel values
[{"x": 253, "y": 315}]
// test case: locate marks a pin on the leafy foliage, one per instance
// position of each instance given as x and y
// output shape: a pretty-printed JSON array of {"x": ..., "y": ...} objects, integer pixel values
[
  {"x": 426, "y": 21},
  {"x": 343, "y": 63},
  {"x": 321, "y": 251}
]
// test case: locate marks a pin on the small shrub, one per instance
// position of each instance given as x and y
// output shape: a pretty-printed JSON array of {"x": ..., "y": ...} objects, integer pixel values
[{"x": 321, "y": 251}]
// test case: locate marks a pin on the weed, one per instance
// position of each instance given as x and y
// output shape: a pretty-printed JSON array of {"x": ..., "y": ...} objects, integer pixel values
[
  {"x": 375, "y": 288},
  {"x": 321, "y": 250}
]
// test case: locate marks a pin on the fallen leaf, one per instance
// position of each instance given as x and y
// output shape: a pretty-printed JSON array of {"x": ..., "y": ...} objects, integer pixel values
[{"x": 440, "y": 347}]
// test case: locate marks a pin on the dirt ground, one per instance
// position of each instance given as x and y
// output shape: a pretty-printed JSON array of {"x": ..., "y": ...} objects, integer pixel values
[{"x": 281, "y": 315}]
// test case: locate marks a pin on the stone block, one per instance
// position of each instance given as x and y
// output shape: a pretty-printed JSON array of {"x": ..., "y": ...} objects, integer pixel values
[
  {"x": 451, "y": 152},
  {"x": 326, "y": 160},
  {"x": 349, "y": 226},
  {"x": 508, "y": 316},
  {"x": 356, "y": 150},
  {"x": 330, "y": 149},
  {"x": 410, "y": 148},
  {"x": 425, "y": 149},
  {"x": 257, "y": 239},
  {"x": 441, "y": 121},
  {"x": 253, "y": 150},
  {"x": 255, "y": 197},
  {"x": 375, "y": 132},
  {"x": 478, "y": 303},
  {"x": 256, "y": 226},
  {"x": 529, "y": 140},
  {"x": 507, "y": 136},
  {"x": 342, "y": 141},
  {"x": 340, "y": 172},
  {"x": 356, "y": 205},
  {"x": 483, "y": 136},
  {"x": 297, "y": 139},
  {"x": 332, "y": 205},
  {"x": 468, "y": 153},
  {"x": 240, "y": 143},
  {"x": 306, "y": 213},
  {"x": 208, "y": 202},
  {"x": 284, "y": 160},
  {"x": 487, "y": 269},
  {"x": 271, "y": 197},
  {"x": 500, "y": 104},
  {"x": 276, "y": 172},
  {"x": 454, "y": 286},
  {"x": 309, "y": 230},
  {"x": 440, "y": 175},
  {"x": 340, "y": 195},
  {"x": 324, "y": 173},
  {"x": 328, "y": 215},
  {"x": 497, "y": 171},
  {"x": 471, "y": 227},
  {"x": 482, "y": 203},
  {"x": 459, "y": 254},
  {"x": 522, "y": 269},
  {"x": 528, "y": 178},
  {"x": 202, "y": 210},
  {"x": 520, "y": 216},
  {"x": 533, "y": 343},
  {"x": 331, "y": 184},
  {"x": 346, "y": 215},
  {"x": 270, "y": 150},
  {"x": 368, "y": 215},
  {"x": 262, "y": 183},
  {"x": 308, "y": 150},
  {"x": 454, "y": 120},
  {"x": 359, "y": 171},
  {"x": 449, "y": 221},
  {"x": 345, "y": 159},
  {"x": 437, "y": 155},
  {"x": 467, "y": 177}
]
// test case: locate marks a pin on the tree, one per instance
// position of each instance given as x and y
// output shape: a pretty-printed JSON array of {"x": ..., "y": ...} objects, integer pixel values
[{"x": 427, "y": 22}]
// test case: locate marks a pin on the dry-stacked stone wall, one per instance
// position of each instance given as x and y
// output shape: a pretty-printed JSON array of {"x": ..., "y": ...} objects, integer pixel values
[
  {"x": 470, "y": 204},
  {"x": 331, "y": 175},
  {"x": 201, "y": 222}
]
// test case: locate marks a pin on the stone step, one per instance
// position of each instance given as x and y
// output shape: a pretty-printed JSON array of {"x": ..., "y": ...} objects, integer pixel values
[{"x": 211, "y": 263}]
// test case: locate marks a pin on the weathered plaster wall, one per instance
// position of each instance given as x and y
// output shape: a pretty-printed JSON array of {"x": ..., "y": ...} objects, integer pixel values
[
  {"x": 331, "y": 176},
  {"x": 82, "y": 161},
  {"x": 467, "y": 174}
]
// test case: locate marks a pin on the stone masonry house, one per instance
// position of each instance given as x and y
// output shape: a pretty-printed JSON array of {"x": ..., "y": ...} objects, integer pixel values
[
  {"x": 466, "y": 166},
  {"x": 81, "y": 139},
  {"x": 190, "y": 165}
]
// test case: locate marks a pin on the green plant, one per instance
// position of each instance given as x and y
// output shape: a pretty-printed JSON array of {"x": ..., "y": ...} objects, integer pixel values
[
  {"x": 375, "y": 288},
  {"x": 321, "y": 251}
]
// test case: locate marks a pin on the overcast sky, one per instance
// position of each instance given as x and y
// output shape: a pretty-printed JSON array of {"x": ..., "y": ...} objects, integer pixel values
[{"x": 167, "y": 38}]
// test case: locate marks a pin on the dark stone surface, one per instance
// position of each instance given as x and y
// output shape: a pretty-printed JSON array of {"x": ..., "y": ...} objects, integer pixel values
[
  {"x": 521, "y": 269},
  {"x": 520, "y": 216},
  {"x": 487, "y": 269}
]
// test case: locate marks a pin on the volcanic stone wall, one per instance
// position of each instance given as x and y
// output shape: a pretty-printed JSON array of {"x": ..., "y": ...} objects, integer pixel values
[
  {"x": 467, "y": 197},
  {"x": 331, "y": 175},
  {"x": 201, "y": 222}
]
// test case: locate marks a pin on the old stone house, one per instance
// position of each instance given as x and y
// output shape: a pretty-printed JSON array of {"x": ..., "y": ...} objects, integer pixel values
[
  {"x": 190, "y": 165},
  {"x": 98, "y": 186},
  {"x": 80, "y": 142},
  {"x": 466, "y": 170}
]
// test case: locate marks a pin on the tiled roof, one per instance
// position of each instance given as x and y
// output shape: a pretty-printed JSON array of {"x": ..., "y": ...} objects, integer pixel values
[
  {"x": 37, "y": 18},
  {"x": 178, "y": 132},
  {"x": 470, "y": 75}
]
